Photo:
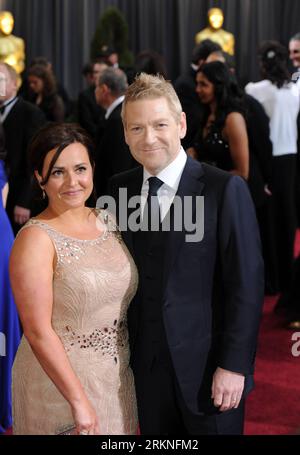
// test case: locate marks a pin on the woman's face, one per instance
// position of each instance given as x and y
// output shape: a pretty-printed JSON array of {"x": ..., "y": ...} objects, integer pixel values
[
  {"x": 205, "y": 89},
  {"x": 71, "y": 180},
  {"x": 36, "y": 84}
]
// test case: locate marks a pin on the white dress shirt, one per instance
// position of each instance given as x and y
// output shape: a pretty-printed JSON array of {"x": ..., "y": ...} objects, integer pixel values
[
  {"x": 114, "y": 105},
  {"x": 281, "y": 106},
  {"x": 170, "y": 176}
]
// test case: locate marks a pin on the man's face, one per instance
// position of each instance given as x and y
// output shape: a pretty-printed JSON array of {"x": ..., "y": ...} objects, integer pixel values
[
  {"x": 152, "y": 133},
  {"x": 294, "y": 48},
  {"x": 8, "y": 86}
]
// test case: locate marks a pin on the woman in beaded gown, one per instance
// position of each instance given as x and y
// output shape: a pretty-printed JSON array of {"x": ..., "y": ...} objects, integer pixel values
[{"x": 73, "y": 280}]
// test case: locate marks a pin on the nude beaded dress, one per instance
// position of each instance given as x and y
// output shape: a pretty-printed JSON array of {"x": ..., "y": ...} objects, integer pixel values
[{"x": 94, "y": 282}]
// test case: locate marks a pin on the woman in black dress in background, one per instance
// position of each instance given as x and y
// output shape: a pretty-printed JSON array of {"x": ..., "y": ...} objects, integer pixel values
[{"x": 222, "y": 139}]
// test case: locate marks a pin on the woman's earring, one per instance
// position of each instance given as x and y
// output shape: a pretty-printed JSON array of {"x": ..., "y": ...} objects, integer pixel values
[{"x": 43, "y": 194}]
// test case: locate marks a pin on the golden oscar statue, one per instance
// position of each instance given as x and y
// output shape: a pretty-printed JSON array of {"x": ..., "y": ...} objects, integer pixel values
[
  {"x": 215, "y": 33},
  {"x": 12, "y": 48}
]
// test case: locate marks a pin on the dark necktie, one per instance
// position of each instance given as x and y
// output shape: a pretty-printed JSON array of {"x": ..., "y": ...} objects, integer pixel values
[
  {"x": 151, "y": 218},
  {"x": 4, "y": 106}
]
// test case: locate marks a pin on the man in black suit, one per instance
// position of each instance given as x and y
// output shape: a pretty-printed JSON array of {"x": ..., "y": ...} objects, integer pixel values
[
  {"x": 90, "y": 114},
  {"x": 112, "y": 153},
  {"x": 20, "y": 121},
  {"x": 194, "y": 321}
]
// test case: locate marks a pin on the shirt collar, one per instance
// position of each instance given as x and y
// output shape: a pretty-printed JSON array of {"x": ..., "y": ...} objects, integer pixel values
[
  {"x": 171, "y": 174},
  {"x": 114, "y": 105},
  {"x": 9, "y": 104}
]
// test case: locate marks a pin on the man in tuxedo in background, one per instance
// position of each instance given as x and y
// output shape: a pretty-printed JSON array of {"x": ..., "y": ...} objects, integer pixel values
[
  {"x": 294, "y": 49},
  {"x": 112, "y": 152},
  {"x": 185, "y": 86},
  {"x": 20, "y": 120},
  {"x": 194, "y": 321},
  {"x": 91, "y": 114}
]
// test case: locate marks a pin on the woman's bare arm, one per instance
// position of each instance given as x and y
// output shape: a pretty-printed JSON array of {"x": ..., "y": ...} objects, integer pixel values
[{"x": 235, "y": 132}]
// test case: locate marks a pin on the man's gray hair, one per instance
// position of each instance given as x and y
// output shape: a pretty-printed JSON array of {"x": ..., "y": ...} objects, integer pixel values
[
  {"x": 295, "y": 37},
  {"x": 115, "y": 79}
]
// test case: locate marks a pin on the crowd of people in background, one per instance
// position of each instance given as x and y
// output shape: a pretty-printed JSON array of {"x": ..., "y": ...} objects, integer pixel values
[{"x": 251, "y": 132}]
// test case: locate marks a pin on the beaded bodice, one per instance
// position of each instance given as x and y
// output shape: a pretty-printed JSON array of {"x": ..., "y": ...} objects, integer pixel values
[
  {"x": 93, "y": 284},
  {"x": 213, "y": 149}
]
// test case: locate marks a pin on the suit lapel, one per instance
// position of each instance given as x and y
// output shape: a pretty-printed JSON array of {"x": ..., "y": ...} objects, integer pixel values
[
  {"x": 133, "y": 189},
  {"x": 191, "y": 184}
]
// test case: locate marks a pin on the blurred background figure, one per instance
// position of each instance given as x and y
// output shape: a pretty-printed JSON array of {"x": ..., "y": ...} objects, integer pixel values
[
  {"x": 88, "y": 73},
  {"x": 294, "y": 49},
  {"x": 185, "y": 86},
  {"x": 280, "y": 99},
  {"x": 43, "y": 86},
  {"x": 222, "y": 139},
  {"x": 10, "y": 331},
  {"x": 112, "y": 152},
  {"x": 12, "y": 48},
  {"x": 150, "y": 62},
  {"x": 29, "y": 95},
  {"x": 215, "y": 33},
  {"x": 109, "y": 55},
  {"x": 91, "y": 114},
  {"x": 20, "y": 121}
]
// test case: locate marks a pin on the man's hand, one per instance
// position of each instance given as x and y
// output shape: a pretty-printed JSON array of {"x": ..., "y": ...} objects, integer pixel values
[
  {"x": 227, "y": 389},
  {"x": 21, "y": 215}
]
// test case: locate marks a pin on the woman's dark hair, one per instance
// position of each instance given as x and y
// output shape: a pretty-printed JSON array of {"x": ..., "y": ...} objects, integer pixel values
[
  {"x": 56, "y": 136},
  {"x": 229, "y": 97},
  {"x": 46, "y": 76},
  {"x": 274, "y": 63},
  {"x": 150, "y": 62}
]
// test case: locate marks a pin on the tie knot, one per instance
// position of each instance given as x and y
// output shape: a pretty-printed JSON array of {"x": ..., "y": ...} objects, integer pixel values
[
  {"x": 154, "y": 185},
  {"x": 2, "y": 109}
]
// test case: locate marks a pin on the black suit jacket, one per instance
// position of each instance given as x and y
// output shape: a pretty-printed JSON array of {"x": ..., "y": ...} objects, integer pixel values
[
  {"x": 112, "y": 152},
  {"x": 22, "y": 122},
  {"x": 89, "y": 112},
  {"x": 185, "y": 86},
  {"x": 213, "y": 289},
  {"x": 260, "y": 148}
]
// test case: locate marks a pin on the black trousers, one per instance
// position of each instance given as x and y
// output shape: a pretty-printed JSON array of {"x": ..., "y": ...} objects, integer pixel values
[
  {"x": 284, "y": 215},
  {"x": 162, "y": 410}
]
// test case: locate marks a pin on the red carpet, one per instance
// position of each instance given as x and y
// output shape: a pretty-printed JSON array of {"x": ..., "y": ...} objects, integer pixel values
[{"x": 274, "y": 406}]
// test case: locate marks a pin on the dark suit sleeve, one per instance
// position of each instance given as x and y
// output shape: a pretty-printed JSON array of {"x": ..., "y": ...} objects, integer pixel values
[
  {"x": 243, "y": 278},
  {"x": 259, "y": 136},
  {"x": 112, "y": 156},
  {"x": 86, "y": 115}
]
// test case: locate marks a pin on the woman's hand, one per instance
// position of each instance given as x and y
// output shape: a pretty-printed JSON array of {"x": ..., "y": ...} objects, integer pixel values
[{"x": 85, "y": 418}]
